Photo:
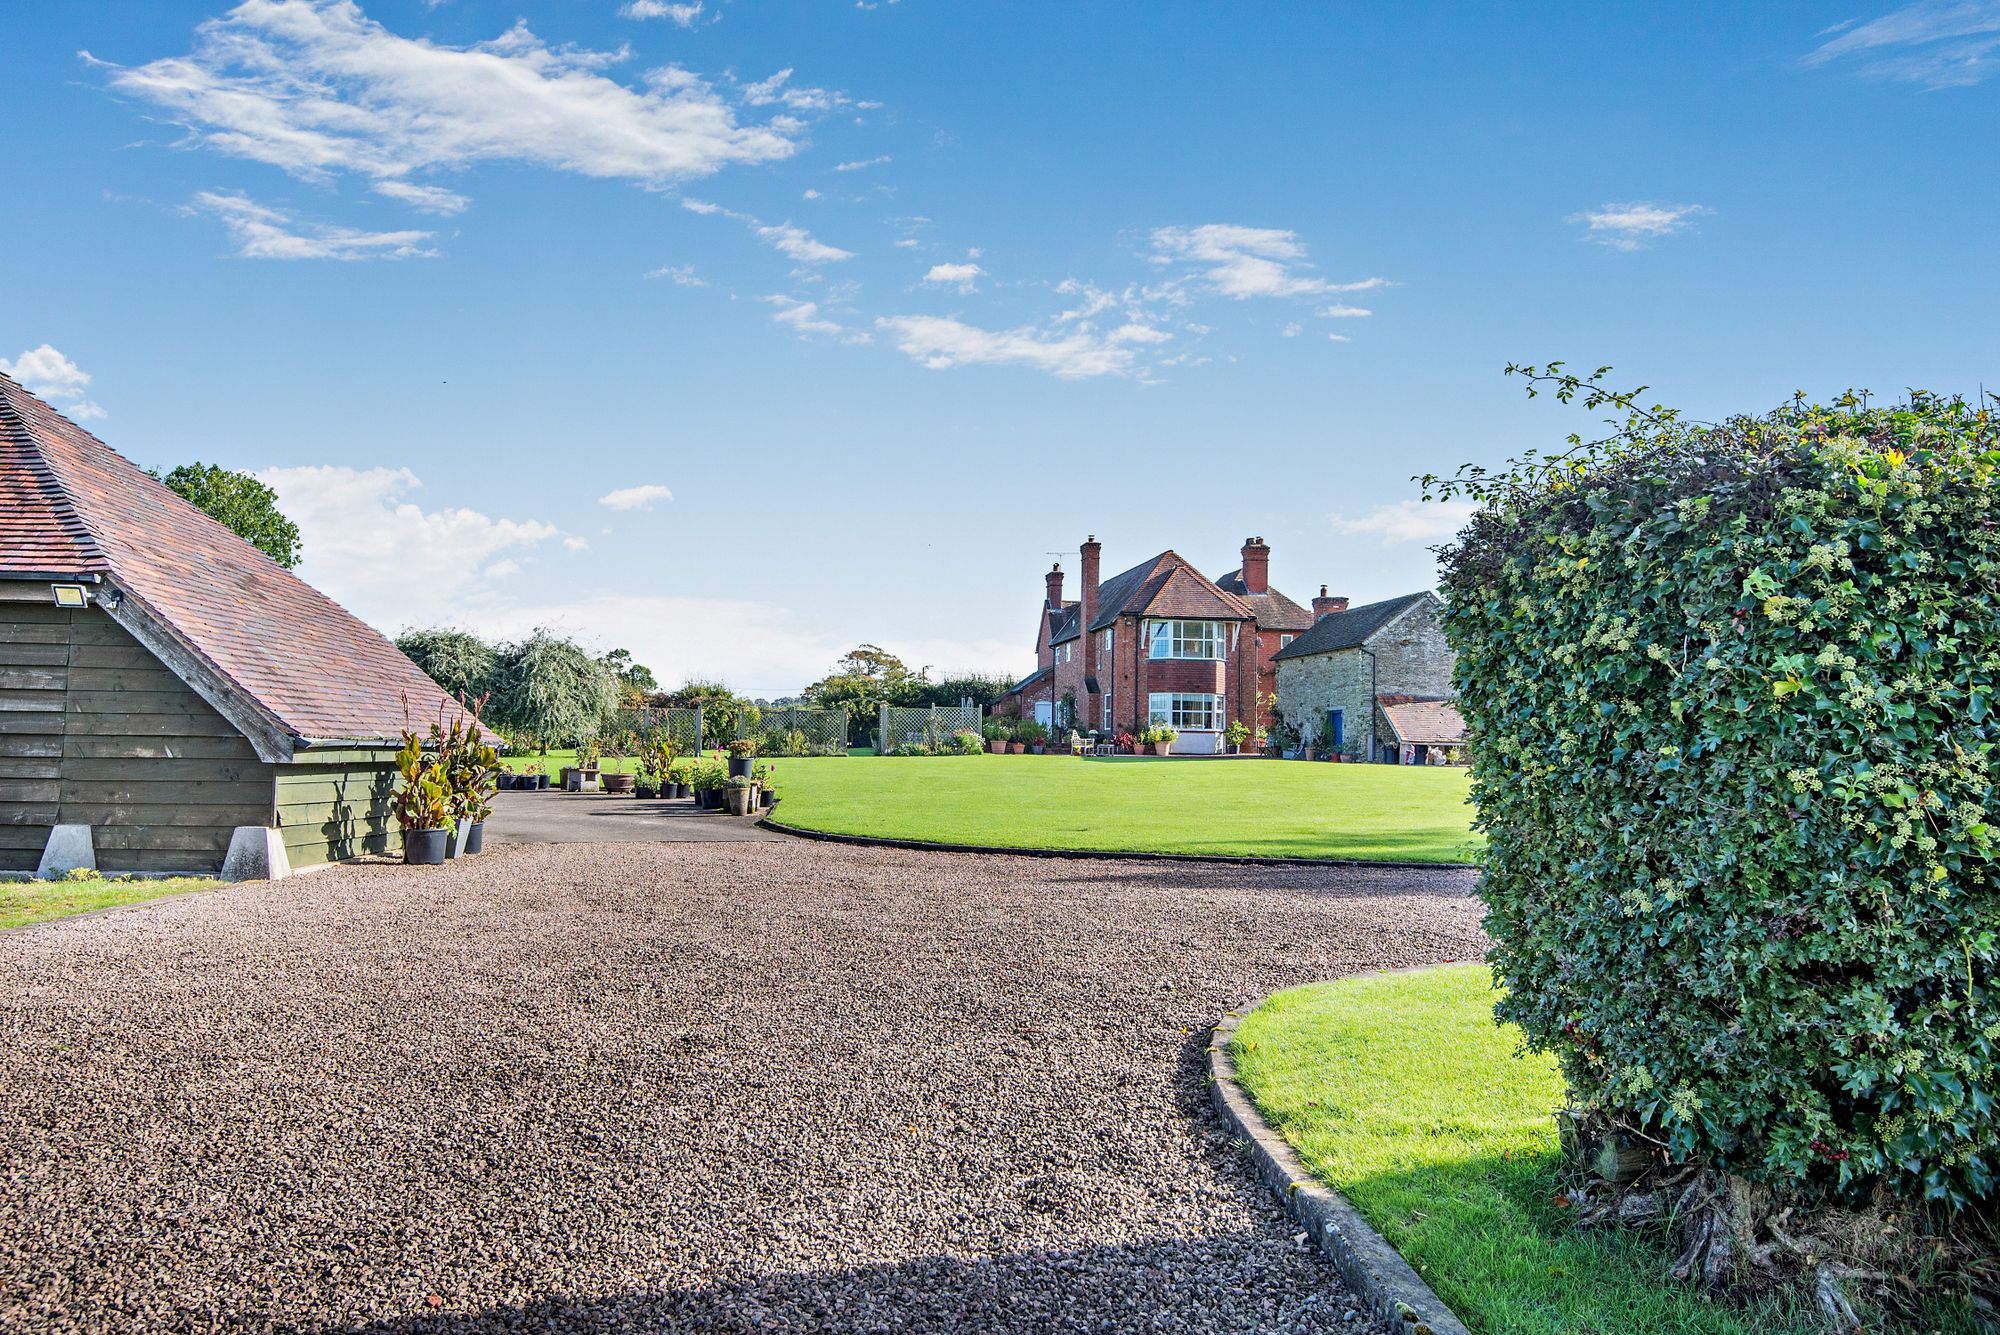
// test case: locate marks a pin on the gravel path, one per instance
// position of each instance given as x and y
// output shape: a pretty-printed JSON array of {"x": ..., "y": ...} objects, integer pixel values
[{"x": 770, "y": 1087}]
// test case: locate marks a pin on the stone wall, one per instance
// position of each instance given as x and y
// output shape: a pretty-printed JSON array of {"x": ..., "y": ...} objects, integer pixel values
[{"x": 1411, "y": 658}]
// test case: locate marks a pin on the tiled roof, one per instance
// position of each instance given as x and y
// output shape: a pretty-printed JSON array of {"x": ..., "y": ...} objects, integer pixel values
[
  {"x": 1063, "y": 624},
  {"x": 1428, "y": 722},
  {"x": 74, "y": 504},
  {"x": 1350, "y": 629},
  {"x": 1166, "y": 586},
  {"x": 1274, "y": 610},
  {"x": 1027, "y": 681}
]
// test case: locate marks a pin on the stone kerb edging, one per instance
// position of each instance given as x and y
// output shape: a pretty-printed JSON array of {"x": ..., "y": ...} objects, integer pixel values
[
  {"x": 1374, "y": 1270},
  {"x": 1104, "y": 854}
]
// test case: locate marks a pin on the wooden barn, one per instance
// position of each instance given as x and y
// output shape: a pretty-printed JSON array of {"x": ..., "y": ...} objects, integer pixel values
[{"x": 171, "y": 699}]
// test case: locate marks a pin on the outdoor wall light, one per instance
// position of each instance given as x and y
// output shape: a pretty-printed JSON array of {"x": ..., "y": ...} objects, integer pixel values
[{"x": 70, "y": 595}]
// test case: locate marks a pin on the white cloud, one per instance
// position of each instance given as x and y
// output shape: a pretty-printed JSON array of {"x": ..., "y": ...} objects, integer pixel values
[
  {"x": 1136, "y": 332},
  {"x": 1243, "y": 262},
  {"x": 961, "y": 276},
  {"x": 804, "y": 318},
  {"x": 316, "y": 88},
  {"x": 682, "y": 274},
  {"x": 428, "y": 198},
  {"x": 797, "y": 243},
  {"x": 263, "y": 233},
  {"x": 1338, "y": 311},
  {"x": 55, "y": 378},
  {"x": 939, "y": 343},
  {"x": 775, "y": 91},
  {"x": 1630, "y": 226},
  {"x": 575, "y": 543},
  {"x": 811, "y": 194},
  {"x": 1408, "y": 521},
  {"x": 502, "y": 569},
  {"x": 861, "y": 164},
  {"x": 907, "y": 243},
  {"x": 685, "y": 16},
  {"x": 1936, "y": 43},
  {"x": 642, "y": 497},
  {"x": 386, "y": 558},
  {"x": 1292, "y": 330}
]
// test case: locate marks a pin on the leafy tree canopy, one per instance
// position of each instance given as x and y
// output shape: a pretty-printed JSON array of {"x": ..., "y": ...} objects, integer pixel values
[
  {"x": 457, "y": 660},
  {"x": 551, "y": 689},
  {"x": 241, "y": 504}
]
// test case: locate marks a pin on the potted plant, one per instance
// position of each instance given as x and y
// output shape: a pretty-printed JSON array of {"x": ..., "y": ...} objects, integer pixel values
[
  {"x": 996, "y": 737},
  {"x": 739, "y": 794},
  {"x": 742, "y": 754},
  {"x": 709, "y": 778},
  {"x": 616, "y": 747},
  {"x": 532, "y": 777},
  {"x": 765, "y": 777},
  {"x": 1162, "y": 738},
  {"x": 422, "y": 803},
  {"x": 1235, "y": 735},
  {"x": 1127, "y": 743},
  {"x": 679, "y": 780},
  {"x": 1032, "y": 735}
]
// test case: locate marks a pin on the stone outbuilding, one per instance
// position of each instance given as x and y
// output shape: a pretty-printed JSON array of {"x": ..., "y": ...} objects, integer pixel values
[
  {"x": 171, "y": 699},
  {"x": 1363, "y": 677}
]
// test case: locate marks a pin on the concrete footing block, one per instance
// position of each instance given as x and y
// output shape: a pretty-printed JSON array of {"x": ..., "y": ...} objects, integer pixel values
[
  {"x": 256, "y": 853},
  {"x": 69, "y": 848}
]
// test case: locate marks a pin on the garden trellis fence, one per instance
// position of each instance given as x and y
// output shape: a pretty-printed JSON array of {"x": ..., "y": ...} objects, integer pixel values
[
  {"x": 681, "y": 727},
  {"x": 932, "y": 727},
  {"x": 794, "y": 730}
]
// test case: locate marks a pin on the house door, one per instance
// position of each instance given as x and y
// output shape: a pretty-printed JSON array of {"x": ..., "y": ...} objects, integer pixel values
[{"x": 1045, "y": 713}]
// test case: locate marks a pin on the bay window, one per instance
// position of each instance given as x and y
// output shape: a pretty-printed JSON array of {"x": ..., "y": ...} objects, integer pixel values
[
  {"x": 1185, "y": 712},
  {"x": 1185, "y": 639}
]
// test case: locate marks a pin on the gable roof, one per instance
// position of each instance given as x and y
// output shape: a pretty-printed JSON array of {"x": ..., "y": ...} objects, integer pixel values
[
  {"x": 1166, "y": 586},
  {"x": 1414, "y": 718},
  {"x": 1274, "y": 610},
  {"x": 1063, "y": 624},
  {"x": 283, "y": 654},
  {"x": 1350, "y": 629}
]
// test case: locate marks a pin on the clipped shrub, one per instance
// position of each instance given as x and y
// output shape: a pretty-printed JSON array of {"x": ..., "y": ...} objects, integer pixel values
[{"x": 1730, "y": 691}]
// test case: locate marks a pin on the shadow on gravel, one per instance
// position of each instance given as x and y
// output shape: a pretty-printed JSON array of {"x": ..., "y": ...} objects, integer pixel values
[{"x": 1220, "y": 1283}]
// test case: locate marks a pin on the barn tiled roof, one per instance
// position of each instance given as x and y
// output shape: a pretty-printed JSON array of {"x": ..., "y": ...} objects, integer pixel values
[
  {"x": 1274, "y": 610},
  {"x": 1166, "y": 586},
  {"x": 73, "y": 505},
  {"x": 1349, "y": 629},
  {"x": 1424, "y": 721}
]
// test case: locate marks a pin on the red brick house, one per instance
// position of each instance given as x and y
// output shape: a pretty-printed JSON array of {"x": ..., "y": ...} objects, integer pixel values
[{"x": 1162, "y": 642}]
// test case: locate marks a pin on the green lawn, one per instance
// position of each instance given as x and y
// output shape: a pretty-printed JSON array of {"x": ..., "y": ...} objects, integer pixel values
[
  {"x": 23, "y": 902},
  {"x": 1264, "y": 808},
  {"x": 1402, "y": 1092}
]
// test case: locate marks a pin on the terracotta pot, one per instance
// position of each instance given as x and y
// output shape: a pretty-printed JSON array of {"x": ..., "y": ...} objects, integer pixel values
[
  {"x": 997, "y": 748},
  {"x": 1017, "y": 748},
  {"x": 1163, "y": 748}
]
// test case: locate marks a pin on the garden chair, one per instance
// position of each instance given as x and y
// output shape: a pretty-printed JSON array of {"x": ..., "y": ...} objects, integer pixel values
[{"x": 1077, "y": 746}]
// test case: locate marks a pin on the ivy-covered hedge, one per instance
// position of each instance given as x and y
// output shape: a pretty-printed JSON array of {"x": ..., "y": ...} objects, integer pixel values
[{"x": 1730, "y": 697}]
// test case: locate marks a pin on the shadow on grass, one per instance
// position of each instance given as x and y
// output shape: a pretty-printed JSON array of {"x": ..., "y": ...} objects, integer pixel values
[{"x": 1219, "y": 1282}]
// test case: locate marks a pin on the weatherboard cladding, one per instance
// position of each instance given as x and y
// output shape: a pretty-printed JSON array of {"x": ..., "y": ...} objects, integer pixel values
[
  {"x": 1349, "y": 629},
  {"x": 319, "y": 671}
]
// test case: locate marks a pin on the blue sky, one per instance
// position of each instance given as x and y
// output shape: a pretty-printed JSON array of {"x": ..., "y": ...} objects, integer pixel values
[{"x": 742, "y": 332}]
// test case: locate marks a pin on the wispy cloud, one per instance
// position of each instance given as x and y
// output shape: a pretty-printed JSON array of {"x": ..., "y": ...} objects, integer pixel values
[
  {"x": 938, "y": 343},
  {"x": 263, "y": 233},
  {"x": 1244, "y": 262},
  {"x": 778, "y": 90},
  {"x": 642, "y": 497},
  {"x": 805, "y": 317},
  {"x": 1631, "y": 226},
  {"x": 1408, "y": 521},
  {"x": 317, "y": 88},
  {"x": 46, "y": 372},
  {"x": 427, "y": 198},
  {"x": 961, "y": 276},
  {"x": 1936, "y": 44},
  {"x": 685, "y": 16},
  {"x": 861, "y": 164},
  {"x": 682, "y": 274},
  {"x": 785, "y": 238}
]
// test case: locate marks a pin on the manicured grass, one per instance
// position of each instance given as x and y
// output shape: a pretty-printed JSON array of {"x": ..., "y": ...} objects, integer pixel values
[
  {"x": 1262, "y": 808},
  {"x": 23, "y": 902}
]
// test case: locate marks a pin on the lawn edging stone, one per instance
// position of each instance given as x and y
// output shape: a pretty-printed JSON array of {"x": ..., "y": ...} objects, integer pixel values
[
  {"x": 1372, "y": 1268},
  {"x": 1118, "y": 854}
]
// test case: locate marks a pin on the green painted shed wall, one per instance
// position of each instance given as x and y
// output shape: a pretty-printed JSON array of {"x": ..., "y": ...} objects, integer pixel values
[{"x": 333, "y": 806}]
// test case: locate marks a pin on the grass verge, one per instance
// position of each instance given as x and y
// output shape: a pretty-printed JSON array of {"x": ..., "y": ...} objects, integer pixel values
[
  {"x": 1401, "y": 1091},
  {"x": 23, "y": 902}
]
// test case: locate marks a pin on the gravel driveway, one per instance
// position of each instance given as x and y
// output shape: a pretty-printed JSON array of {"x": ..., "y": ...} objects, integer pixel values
[{"x": 756, "y": 1086}]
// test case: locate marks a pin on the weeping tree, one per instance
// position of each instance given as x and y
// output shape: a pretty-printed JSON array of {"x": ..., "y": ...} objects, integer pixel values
[
  {"x": 457, "y": 660},
  {"x": 552, "y": 690}
]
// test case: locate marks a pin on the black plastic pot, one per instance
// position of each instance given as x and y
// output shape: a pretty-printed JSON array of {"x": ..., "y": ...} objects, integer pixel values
[
  {"x": 767, "y": 799},
  {"x": 739, "y": 766},
  {"x": 541, "y": 783},
  {"x": 475, "y": 838},
  {"x": 425, "y": 848},
  {"x": 682, "y": 790}
]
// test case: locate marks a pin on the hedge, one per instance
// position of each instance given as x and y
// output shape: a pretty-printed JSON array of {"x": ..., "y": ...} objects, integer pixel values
[{"x": 1730, "y": 696}]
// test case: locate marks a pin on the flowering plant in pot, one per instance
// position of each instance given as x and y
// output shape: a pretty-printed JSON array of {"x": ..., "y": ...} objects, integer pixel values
[
  {"x": 1032, "y": 734},
  {"x": 742, "y": 753},
  {"x": 422, "y": 804},
  {"x": 739, "y": 794},
  {"x": 766, "y": 779},
  {"x": 1162, "y": 739},
  {"x": 708, "y": 781},
  {"x": 997, "y": 736},
  {"x": 679, "y": 781},
  {"x": 1126, "y": 742}
]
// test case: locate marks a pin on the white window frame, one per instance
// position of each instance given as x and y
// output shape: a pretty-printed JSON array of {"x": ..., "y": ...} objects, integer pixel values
[
  {"x": 1284, "y": 640},
  {"x": 1188, "y": 711},
  {"x": 1107, "y": 712},
  {"x": 1204, "y": 638}
]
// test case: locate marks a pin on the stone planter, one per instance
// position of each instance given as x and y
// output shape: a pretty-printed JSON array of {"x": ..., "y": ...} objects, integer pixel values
[{"x": 740, "y": 801}]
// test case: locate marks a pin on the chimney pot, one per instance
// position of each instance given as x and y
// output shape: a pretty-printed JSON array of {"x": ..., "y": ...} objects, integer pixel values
[
  {"x": 1256, "y": 566},
  {"x": 1325, "y": 606},
  {"x": 1055, "y": 579}
]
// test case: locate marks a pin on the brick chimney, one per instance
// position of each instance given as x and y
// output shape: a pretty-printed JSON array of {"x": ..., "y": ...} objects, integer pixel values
[
  {"x": 1322, "y": 605},
  {"x": 1055, "y": 585},
  {"x": 1091, "y": 550},
  {"x": 1256, "y": 566}
]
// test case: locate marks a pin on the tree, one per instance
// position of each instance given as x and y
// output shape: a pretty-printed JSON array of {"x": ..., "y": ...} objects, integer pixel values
[
  {"x": 241, "y": 504},
  {"x": 719, "y": 707},
  {"x": 980, "y": 688},
  {"x": 457, "y": 660},
  {"x": 635, "y": 680},
  {"x": 552, "y": 690},
  {"x": 865, "y": 679}
]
